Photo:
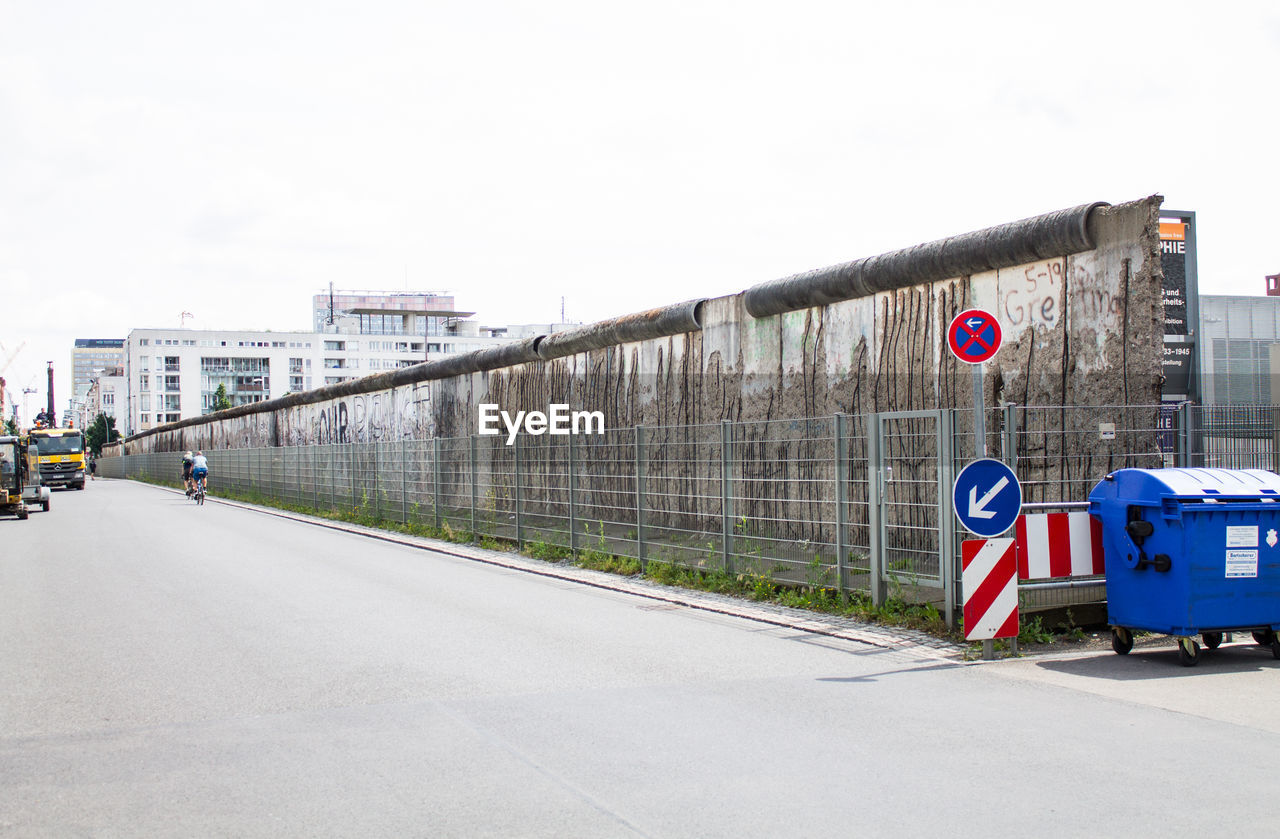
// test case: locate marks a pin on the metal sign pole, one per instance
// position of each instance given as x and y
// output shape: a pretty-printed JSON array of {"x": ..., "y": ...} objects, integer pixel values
[{"x": 979, "y": 420}]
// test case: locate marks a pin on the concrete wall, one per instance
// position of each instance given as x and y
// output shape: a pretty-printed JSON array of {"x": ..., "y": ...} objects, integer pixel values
[{"x": 1079, "y": 328}]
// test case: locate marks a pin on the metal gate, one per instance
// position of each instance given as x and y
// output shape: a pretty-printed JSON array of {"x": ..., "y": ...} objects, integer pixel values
[{"x": 912, "y": 533}]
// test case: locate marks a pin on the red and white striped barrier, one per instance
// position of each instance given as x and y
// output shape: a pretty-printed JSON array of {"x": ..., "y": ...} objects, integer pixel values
[
  {"x": 990, "y": 581},
  {"x": 1059, "y": 545}
]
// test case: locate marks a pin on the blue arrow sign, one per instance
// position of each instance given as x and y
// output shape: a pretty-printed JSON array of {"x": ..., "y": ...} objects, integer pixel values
[{"x": 987, "y": 497}]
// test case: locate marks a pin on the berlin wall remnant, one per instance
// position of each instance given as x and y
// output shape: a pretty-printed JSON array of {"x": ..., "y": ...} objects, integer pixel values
[
  {"x": 1076, "y": 292},
  {"x": 1078, "y": 329}
]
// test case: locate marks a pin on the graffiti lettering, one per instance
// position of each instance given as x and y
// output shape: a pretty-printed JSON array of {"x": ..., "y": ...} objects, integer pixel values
[
  {"x": 332, "y": 424},
  {"x": 1093, "y": 302},
  {"x": 1033, "y": 299}
]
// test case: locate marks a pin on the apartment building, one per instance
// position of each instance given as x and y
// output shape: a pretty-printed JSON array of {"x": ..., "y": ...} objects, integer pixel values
[
  {"x": 172, "y": 374},
  {"x": 105, "y": 395},
  {"x": 412, "y": 313}
]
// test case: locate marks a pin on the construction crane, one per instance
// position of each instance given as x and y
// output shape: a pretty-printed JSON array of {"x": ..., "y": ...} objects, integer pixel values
[
  {"x": 10, "y": 357},
  {"x": 5, "y": 366}
]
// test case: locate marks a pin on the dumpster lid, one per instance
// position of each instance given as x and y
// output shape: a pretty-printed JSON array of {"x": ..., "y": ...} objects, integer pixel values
[{"x": 1205, "y": 482}]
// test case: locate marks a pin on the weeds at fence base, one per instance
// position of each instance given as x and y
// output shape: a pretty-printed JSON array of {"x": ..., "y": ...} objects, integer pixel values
[{"x": 1034, "y": 632}]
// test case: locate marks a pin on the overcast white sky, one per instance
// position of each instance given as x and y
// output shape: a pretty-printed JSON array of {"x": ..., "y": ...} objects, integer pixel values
[{"x": 231, "y": 159}]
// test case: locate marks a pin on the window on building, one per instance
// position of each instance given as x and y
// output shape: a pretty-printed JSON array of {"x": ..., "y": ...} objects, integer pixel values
[
  {"x": 144, "y": 383},
  {"x": 171, "y": 384},
  {"x": 334, "y": 346}
]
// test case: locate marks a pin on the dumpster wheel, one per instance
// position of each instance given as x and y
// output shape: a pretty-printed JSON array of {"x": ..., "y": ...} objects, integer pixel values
[
  {"x": 1121, "y": 640},
  {"x": 1275, "y": 646},
  {"x": 1188, "y": 652},
  {"x": 1212, "y": 640},
  {"x": 1265, "y": 637}
]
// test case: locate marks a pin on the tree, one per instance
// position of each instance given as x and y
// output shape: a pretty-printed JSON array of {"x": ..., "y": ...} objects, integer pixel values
[
  {"x": 11, "y": 427},
  {"x": 101, "y": 432},
  {"x": 220, "y": 400}
]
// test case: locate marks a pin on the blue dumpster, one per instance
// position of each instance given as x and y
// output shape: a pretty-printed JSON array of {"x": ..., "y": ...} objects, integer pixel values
[{"x": 1191, "y": 552}]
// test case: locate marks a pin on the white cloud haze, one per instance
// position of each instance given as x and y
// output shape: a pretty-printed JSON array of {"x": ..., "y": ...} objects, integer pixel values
[{"x": 232, "y": 159}]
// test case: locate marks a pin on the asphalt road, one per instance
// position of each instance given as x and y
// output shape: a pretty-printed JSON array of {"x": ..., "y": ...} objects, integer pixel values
[{"x": 167, "y": 670}]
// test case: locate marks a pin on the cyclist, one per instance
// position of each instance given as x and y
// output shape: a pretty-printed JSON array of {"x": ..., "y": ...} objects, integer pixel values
[
  {"x": 200, "y": 470},
  {"x": 186, "y": 474}
]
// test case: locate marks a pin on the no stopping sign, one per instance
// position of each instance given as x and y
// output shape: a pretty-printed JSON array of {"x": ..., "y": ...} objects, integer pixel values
[{"x": 974, "y": 336}]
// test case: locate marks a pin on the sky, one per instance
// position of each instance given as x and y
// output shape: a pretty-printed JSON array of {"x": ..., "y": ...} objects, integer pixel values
[{"x": 229, "y": 160}]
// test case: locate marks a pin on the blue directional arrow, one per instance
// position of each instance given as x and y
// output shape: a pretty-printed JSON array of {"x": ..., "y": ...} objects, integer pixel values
[{"x": 987, "y": 497}]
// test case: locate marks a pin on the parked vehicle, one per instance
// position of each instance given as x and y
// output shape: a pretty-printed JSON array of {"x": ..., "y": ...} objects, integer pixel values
[
  {"x": 34, "y": 492},
  {"x": 61, "y": 456},
  {"x": 12, "y": 469}
]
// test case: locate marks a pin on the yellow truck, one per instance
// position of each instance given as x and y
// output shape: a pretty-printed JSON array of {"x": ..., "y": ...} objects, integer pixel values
[{"x": 61, "y": 456}]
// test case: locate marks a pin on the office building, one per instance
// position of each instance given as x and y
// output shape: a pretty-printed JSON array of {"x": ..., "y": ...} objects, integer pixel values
[
  {"x": 1240, "y": 349},
  {"x": 88, "y": 356}
]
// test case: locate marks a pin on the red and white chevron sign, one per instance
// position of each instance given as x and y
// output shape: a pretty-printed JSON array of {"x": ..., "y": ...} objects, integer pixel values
[
  {"x": 1059, "y": 545},
  {"x": 990, "y": 581}
]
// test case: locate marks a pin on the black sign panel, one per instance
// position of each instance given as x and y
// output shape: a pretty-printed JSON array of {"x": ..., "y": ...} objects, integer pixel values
[
  {"x": 1179, "y": 351},
  {"x": 1173, "y": 262}
]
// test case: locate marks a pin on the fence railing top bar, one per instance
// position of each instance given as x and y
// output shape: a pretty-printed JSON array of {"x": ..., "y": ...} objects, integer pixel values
[{"x": 1056, "y": 505}]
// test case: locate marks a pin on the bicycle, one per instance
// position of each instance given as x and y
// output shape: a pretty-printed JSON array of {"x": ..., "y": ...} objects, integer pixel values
[{"x": 198, "y": 496}]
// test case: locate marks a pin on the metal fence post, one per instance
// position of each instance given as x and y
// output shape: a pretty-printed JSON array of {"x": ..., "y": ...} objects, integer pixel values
[
  {"x": 842, "y": 498},
  {"x": 726, "y": 495},
  {"x": 351, "y": 471},
  {"x": 875, "y": 487},
  {"x": 404, "y": 481},
  {"x": 640, "y": 481},
  {"x": 474, "y": 476},
  {"x": 573, "y": 487},
  {"x": 1275, "y": 437},
  {"x": 1183, "y": 434},
  {"x": 377, "y": 482},
  {"x": 946, "y": 525},
  {"x": 1009, "y": 436},
  {"x": 435, "y": 481},
  {"x": 515, "y": 455}
]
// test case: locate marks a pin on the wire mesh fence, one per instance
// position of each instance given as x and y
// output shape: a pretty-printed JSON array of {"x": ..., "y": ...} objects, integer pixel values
[{"x": 854, "y": 503}]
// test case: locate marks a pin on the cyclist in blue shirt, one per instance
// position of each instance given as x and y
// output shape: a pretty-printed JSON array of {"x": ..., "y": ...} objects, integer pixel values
[{"x": 200, "y": 470}]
